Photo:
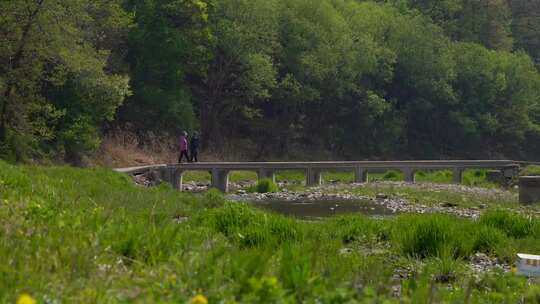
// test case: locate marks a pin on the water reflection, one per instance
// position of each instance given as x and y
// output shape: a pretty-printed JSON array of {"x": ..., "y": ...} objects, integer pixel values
[{"x": 324, "y": 208}]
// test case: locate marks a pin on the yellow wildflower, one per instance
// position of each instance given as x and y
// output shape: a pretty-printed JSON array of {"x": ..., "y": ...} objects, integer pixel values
[
  {"x": 198, "y": 299},
  {"x": 25, "y": 299},
  {"x": 272, "y": 281}
]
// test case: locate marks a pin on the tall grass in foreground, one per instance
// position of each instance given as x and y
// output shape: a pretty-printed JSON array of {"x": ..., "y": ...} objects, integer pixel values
[{"x": 70, "y": 235}]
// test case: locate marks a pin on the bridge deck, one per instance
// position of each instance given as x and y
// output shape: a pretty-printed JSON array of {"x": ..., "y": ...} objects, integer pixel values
[{"x": 424, "y": 164}]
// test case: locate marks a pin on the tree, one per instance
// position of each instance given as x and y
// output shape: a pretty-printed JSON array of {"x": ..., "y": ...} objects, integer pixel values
[
  {"x": 47, "y": 46},
  {"x": 241, "y": 72},
  {"x": 498, "y": 99},
  {"x": 526, "y": 27},
  {"x": 483, "y": 21},
  {"x": 167, "y": 46}
]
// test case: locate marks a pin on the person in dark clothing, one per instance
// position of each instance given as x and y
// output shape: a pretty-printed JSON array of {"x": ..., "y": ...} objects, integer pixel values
[
  {"x": 194, "y": 147},
  {"x": 183, "y": 147}
]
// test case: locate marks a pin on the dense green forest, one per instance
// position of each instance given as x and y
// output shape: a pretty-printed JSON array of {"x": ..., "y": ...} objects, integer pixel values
[{"x": 356, "y": 79}]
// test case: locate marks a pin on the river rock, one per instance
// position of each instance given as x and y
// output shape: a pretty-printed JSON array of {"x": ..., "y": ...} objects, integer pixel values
[{"x": 381, "y": 196}]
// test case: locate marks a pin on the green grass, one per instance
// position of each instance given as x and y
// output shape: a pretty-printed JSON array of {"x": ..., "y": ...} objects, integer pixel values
[
  {"x": 91, "y": 236},
  {"x": 292, "y": 176},
  {"x": 264, "y": 185},
  {"x": 337, "y": 176},
  {"x": 196, "y": 176},
  {"x": 242, "y": 176},
  {"x": 531, "y": 170},
  {"x": 428, "y": 196},
  {"x": 477, "y": 178},
  {"x": 438, "y": 177}
]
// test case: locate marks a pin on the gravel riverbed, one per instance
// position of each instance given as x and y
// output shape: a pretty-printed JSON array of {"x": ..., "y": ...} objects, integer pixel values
[{"x": 337, "y": 192}]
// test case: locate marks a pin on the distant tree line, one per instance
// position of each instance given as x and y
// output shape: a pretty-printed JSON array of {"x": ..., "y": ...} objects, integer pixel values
[{"x": 357, "y": 79}]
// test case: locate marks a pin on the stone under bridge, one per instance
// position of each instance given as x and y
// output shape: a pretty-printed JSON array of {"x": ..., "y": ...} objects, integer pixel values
[{"x": 219, "y": 171}]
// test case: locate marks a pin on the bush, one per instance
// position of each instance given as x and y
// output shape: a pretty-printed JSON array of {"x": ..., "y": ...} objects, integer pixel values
[{"x": 264, "y": 186}]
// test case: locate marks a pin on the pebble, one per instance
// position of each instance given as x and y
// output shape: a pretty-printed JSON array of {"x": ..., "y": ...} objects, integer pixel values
[{"x": 481, "y": 263}]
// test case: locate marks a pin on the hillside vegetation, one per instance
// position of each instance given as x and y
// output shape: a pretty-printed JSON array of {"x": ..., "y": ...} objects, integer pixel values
[
  {"x": 349, "y": 79},
  {"x": 92, "y": 236}
]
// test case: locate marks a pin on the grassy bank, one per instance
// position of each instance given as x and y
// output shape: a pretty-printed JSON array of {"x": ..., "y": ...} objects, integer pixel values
[{"x": 91, "y": 236}]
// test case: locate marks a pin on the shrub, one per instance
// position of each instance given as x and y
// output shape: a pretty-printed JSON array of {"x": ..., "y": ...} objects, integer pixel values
[{"x": 264, "y": 186}]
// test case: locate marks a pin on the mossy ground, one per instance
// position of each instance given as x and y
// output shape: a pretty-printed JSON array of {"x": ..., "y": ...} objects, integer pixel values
[{"x": 91, "y": 236}]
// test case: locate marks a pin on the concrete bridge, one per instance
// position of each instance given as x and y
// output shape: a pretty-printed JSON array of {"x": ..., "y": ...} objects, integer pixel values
[{"x": 219, "y": 171}]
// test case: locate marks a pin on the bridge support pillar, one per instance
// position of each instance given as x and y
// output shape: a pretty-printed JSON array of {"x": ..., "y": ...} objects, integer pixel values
[
  {"x": 360, "y": 175},
  {"x": 457, "y": 175},
  {"x": 529, "y": 189},
  {"x": 408, "y": 175},
  {"x": 172, "y": 176},
  {"x": 178, "y": 180},
  {"x": 266, "y": 173},
  {"x": 220, "y": 180},
  {"x": 510, "y": 172},
  {"x": 313, "y": 177}
]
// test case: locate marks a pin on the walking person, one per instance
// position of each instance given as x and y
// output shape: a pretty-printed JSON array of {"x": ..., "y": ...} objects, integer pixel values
[
  {"x": 183, "y": 147},
  {"x": 194, "y": 147}
]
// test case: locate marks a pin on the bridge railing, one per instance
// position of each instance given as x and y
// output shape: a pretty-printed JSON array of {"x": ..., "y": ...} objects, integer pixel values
[{"x": 173, "y": 173}]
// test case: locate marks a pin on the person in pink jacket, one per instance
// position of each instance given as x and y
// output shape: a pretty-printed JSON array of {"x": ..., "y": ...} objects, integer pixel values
[{"x": 183, "y": 147}]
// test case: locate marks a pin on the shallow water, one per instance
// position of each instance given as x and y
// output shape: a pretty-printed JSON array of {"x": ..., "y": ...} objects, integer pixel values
[{"x": 324, "y": 208}]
